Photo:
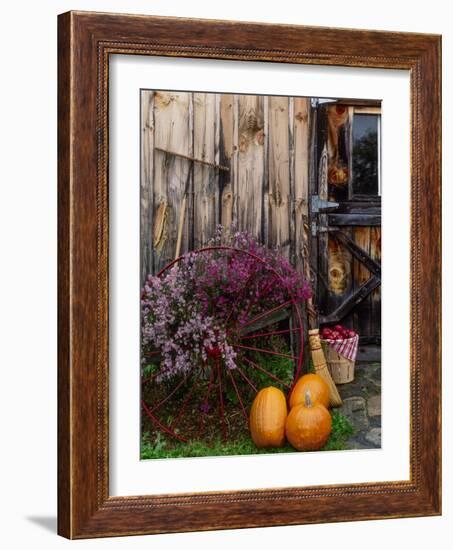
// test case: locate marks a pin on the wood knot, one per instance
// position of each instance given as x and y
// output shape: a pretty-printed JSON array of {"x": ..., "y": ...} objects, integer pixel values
[
  {"x": 301, "y": 117},
  {"x": 163, "y": 99},
  {"x": 243, "y": 143},
  {"x": 259, "y": 137}
]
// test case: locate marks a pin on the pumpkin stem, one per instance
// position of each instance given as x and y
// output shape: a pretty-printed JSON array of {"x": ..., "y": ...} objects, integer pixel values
[{"x": 308, "y": 402}]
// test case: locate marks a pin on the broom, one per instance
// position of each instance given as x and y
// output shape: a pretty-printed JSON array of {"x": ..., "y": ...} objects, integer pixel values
[{"x": 317, "y": 355}]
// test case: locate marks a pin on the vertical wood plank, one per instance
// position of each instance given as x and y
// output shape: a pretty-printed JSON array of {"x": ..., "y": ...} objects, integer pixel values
[
  {"x": 301, "y": 181},
  {"x": 235, "y": 161},
  {"x": 250, "y": 165},
  {"x": 146, "y": 184},
  {"x": 190, "y": 198},
  {"x": 172, "y": 133},
  {"x": 301, "y": 196},
  {"x": 338, "y": 136},
  {"x": 279, "y": 177},
  {"x": 362, "y": 312},
  {"x": 322, "y": 237},
  {"x": 375, "y": 253},
  {"x": 218, "y": 203},
  {"x": 313, "y": 168},
  {"x": 266, "y": 208},
  {"x": 226, "y": 149},
  {"x": 295, "y": 343},
  {"x": 206, "y": 190},
  {"x": 292, "y": 184},
  {"x": 320, "y": 137},
  {"x": 349, "y": 142}
]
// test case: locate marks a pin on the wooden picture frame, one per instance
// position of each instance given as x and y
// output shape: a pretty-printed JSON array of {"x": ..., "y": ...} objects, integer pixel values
[{"x": 85, "y": 41}]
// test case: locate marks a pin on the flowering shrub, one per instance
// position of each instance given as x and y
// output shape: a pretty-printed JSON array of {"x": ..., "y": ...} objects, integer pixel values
[{"x": 190, "y": 310}]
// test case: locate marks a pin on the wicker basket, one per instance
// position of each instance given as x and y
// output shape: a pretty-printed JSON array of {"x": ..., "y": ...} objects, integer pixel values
[{"x": 341, "y": 369}]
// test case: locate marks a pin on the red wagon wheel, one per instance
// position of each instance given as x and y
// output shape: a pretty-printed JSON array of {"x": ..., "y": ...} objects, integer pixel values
[{"x": 255, "y": 315}]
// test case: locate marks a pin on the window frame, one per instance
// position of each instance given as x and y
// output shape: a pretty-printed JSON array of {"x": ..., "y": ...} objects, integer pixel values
[{"x": 364, "y": 110}]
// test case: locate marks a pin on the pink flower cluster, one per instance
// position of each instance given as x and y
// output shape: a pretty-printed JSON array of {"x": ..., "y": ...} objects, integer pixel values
[{"x": 190, "y": 310}]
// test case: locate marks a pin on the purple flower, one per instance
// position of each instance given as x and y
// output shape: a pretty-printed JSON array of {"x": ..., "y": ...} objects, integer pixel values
[{"x": 186, "y": 313}]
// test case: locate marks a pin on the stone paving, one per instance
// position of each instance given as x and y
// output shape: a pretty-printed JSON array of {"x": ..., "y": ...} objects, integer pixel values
[{"x": 362, "y": 405}]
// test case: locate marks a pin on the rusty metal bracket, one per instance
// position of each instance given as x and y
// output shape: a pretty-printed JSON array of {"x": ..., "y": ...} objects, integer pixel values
[{"x": 321, "y": 205}]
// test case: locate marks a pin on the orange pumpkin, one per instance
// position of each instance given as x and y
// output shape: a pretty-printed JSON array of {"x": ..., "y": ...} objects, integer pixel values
[
  {"x": 308, "y": 425},
  {"x": 268, "y": 417},
  {"x": 316, "y": 385}
]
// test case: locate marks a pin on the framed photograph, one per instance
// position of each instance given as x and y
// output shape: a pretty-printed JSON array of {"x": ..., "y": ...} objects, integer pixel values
[{"x": 249, "y": 275}]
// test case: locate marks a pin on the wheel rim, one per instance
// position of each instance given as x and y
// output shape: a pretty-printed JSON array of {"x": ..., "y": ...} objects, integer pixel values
[{"x": 203, "y": 388}]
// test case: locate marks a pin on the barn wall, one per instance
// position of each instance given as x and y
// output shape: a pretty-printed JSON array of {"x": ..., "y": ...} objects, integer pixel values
[
  {"x": 264, "y": 146},
  {"x": 262, "y": 140}
]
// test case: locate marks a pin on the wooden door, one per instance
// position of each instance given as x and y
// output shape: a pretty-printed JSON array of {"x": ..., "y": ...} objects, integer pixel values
[{"x": 346, "y": 215}]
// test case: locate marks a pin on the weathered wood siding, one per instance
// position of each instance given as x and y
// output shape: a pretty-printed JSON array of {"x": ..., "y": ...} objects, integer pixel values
[
  {"x": 268, "y": 145},
  {"x": 146, "y": 184},
  {"x": 279, "y": 174},
  {"x": 172, "y": 132},
  {"x": 300, "y": 163},
  {"x": 249, "y": 187},
  {"x": 262, "y": 140},
  {"x": 205, "y": 179}
]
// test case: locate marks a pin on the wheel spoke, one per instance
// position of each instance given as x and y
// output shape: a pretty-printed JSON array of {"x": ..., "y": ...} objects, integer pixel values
[
  {"x": 206, "y": 400},
  {"x": 151, "y": 353},
  {"x": 245, "y": 377},
  {"x": 300, "y": 356},
  {"x": 258, "y": 367},
  {"x": 185, "y": 402},
  {"x": 266, "y": 288},
  {"x": 221, "y": 407},
  {"x": 153, "y": 376},
  {"x": 236, "y": 389},
  {"x": 173, "y": 391},
  {"x": 269, "y": 351},
  {"x": 245, "y": 322},
  {"x": 272, "y": 333},
  {"x": 162, "y": 426},
  {"x": 266, "y": 313}
]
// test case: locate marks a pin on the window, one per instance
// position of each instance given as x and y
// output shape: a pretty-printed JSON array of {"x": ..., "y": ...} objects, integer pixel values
[{"x": 366, "y": 153}]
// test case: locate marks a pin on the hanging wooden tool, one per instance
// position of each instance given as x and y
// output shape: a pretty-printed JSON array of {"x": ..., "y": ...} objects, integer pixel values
[
  {"x": 193, "y": 159},
  {"x": 182, "y": 211}
]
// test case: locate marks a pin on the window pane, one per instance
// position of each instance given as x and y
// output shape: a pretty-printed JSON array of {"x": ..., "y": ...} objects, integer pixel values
[{"x": 365, "y": 157}]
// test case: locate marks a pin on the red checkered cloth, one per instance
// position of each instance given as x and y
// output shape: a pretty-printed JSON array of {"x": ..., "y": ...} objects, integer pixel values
[{"x": 347, "y": 348}]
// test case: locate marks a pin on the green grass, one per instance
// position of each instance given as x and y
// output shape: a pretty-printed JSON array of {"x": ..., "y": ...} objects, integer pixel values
[
  {"x": 342, "y": 430},
  {"x": 158, "y": 447}
]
